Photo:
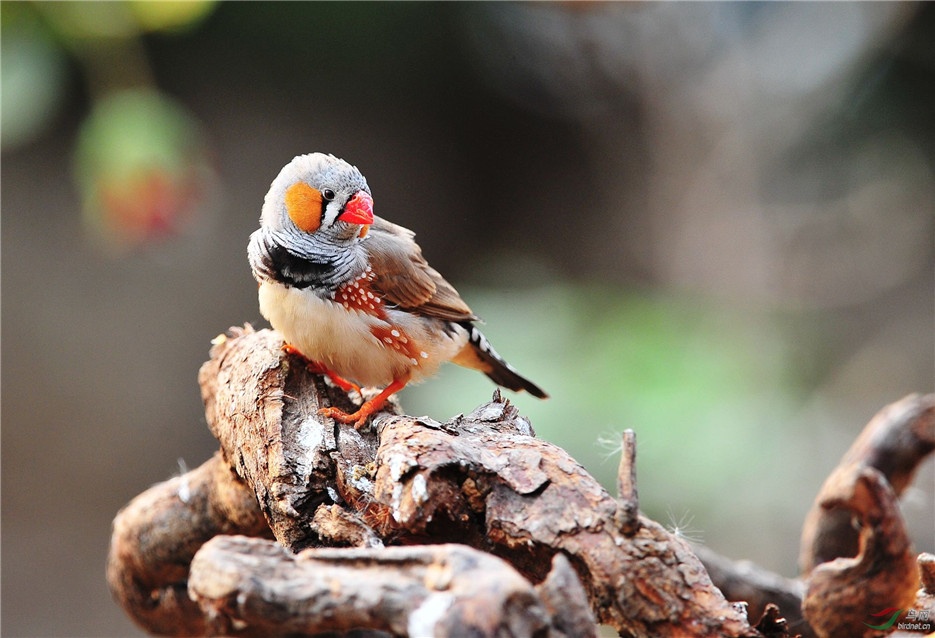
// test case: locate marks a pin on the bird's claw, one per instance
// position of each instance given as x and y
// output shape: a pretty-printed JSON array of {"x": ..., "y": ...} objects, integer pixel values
[{"x": 358, "y": 418}]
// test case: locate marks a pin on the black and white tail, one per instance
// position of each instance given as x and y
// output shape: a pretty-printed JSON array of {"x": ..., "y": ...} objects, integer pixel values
[{"x": 480, "y": 355}]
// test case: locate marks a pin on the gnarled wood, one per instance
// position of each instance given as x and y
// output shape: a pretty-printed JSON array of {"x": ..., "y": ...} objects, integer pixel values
[
  {"x": 894, "y": 442},
  {"x": 252, "y": 587},
  {"x": 856, "y": 554},
  {"x": 156, "y": 535},
  {"x": 842, "y": 593},
  {"x": 487, "y": 479},
  {"x": 758, "y": 588},
  {"x": 482, "y": 480}
]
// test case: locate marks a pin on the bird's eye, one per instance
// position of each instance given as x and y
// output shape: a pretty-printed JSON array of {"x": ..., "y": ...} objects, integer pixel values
[{"x": 327, "y": 194}]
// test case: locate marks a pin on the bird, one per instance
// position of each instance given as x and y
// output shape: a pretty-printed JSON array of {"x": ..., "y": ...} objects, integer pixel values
[{"x": 352, "y": 294}]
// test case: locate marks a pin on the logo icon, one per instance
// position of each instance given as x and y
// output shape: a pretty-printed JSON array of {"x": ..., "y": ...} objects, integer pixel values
[{"x": 886, "y": 612}]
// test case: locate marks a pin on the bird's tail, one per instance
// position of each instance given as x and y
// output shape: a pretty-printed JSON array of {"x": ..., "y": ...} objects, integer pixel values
[{"x": 478, "y": 354}]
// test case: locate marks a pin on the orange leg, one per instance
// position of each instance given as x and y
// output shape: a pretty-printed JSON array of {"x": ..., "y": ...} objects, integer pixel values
[
  {"x": 319, "y": 368},
  {"x": 369, "y": 407}
]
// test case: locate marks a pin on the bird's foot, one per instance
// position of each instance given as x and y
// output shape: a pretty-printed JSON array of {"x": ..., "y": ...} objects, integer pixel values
[
  {"x": 358, "y": 418},
  {"x": 316, "y": 367},
  {"x": 363, "y": 413}
]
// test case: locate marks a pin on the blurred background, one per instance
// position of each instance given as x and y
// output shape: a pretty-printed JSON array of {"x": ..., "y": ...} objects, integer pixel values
[{"x": 711, "y": 223}]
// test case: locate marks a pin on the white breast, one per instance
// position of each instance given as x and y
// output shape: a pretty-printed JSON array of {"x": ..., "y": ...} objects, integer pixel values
[{"x": 341, "y": 339}]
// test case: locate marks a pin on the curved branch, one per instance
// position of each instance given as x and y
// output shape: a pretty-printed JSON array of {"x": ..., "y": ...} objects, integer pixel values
[
  {"x": 156, "y": 535},
  {"x": 894, "y": 442}
]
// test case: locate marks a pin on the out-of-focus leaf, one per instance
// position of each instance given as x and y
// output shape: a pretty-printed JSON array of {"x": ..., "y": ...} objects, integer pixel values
[
  {"x": 141, "y": 167},
  {"x": 159, "y": 15},
  {"x": 78, "y": 21},
  {"x": 32, "y": 77}
]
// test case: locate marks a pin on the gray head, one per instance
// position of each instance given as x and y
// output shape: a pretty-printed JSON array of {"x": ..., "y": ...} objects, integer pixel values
[
  {"x": 315, "y": 215},
  {"x": 318, "y": 194}
]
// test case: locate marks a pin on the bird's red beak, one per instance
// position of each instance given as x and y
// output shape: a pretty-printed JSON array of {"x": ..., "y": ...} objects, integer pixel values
[{"x": 359, "y": 210}]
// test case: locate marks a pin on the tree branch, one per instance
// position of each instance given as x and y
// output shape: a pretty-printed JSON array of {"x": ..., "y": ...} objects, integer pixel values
[
  {"x": 253, "y": 587},
  {"x": 156, "y": 535},
  {"x": 482, "y": 480},
  {"x": 894, "y": 442},
  {"x": 856, "y": 555}
]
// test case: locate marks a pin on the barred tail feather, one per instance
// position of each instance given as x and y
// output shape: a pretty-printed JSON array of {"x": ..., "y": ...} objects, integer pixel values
[{"x": 480, "y": 355}]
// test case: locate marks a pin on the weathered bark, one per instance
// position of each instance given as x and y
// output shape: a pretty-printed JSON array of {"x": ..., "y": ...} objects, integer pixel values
[
  {"x": 758, "y": 587},
  {"x": 842, "y": 593},
  {"x": 856, "y": 554},
  {"x": 850, "y": 571},
  {"x": 486, "y": 480},
  {"x": 482, "y": 480},
  {"x": 156, "y": 535},
  {"x": 627, "y": 516},
  {"x": 252, "y": 587},
  {"x": 894, "y": 442},
  {"x": 262, "y": 405}
]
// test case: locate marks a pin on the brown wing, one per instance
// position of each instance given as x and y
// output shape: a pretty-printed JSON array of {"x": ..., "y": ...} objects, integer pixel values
[{"x": 405, "y": 279}]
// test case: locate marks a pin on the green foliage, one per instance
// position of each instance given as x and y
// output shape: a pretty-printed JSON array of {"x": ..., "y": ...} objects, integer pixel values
[
  {"x": 140, "y": 158},
  {"x": 32, "y": 77}
]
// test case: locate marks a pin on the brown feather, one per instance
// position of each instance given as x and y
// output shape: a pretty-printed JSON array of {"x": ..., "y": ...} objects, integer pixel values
[{"x": 404, "y": 278}]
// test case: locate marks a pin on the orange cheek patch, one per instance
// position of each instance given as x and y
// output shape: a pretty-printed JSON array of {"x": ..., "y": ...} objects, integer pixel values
[
  {"x": 303, "y": 204},
  {"x": 363, "y": 231}
]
